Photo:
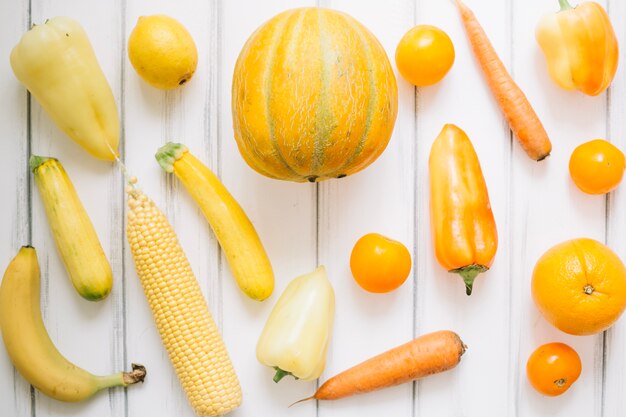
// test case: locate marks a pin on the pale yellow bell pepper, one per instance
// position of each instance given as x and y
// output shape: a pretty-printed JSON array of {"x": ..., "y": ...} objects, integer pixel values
[
  {"x": 580, "y": 47},
  {"x": 296, "y": 336},
  {"x": 56, "y": 63}
]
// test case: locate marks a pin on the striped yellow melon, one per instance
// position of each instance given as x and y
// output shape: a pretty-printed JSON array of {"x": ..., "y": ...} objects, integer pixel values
[{"x": 314, "y": 96}]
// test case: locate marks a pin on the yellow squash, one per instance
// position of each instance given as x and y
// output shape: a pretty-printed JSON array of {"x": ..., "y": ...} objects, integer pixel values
[
  {"x": 313, "y": 96},
  {"x": 73, "y": 233},
  {"x": 234, "y": 231},
  {"x": 463, "y": 226},
  {"x": 580, "y": 47},
  {"x": 56, "y": 63}
]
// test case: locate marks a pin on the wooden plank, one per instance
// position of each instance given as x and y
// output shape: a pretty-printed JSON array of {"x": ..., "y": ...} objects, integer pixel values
[
  {"x": 613, "y": 383},
  {"x": 379, "y": 199},
  {"x": 15, "y": 395},
  {"x": 483, "y": 319},
  {"x": 548, "y": 209},
  {"x": 152, "y": 118},
  {"x": 86, "y": 332},
  {"x": 284, "y": 216}
]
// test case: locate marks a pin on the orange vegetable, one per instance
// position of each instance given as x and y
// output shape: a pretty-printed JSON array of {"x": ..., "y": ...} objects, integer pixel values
[
  {"x": 580, "y": 47},
  {"x": 463, "y": 227},
  {"x": 553, "y": 368},
  {"x": 597, "y": 167},
  {"x": 379, "y": 264},
  {"x": 428, "y": 354},
  {"x": 424, "y": 55},
  {"x": 517, "y": 110}
]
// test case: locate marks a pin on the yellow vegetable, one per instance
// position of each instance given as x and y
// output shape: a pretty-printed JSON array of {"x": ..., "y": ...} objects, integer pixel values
[
  {"x": 57, "y": 64},
  {"x": 295, "y": 338},
  {"x": 187, "y": 330},
  {"x": 73, "y": 233},
  {"x": 29, "y": 346},
  {"x": 580, "y": 47},
  {"x": 234, "y": 231}
]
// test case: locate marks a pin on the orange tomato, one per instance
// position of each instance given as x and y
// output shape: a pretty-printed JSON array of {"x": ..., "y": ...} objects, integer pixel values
[
  {"x": 597, "y": 167},
  {"x": 580, "y": 286},
  {"x": 553, "y": 368},
  {"x": 424, "y": 55},
  {"x": 379, "y": 264}
]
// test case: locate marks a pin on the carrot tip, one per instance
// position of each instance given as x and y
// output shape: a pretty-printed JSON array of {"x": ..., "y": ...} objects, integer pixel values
[
  {"x": 541, "y": 158},
  {"x": 302, "y": 400}
]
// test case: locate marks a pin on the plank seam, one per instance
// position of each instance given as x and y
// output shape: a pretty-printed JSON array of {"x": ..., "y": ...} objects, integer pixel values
[{"x": 123, "y": 66}]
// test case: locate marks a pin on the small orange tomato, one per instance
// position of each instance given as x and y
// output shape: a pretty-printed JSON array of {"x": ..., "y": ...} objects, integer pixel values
[
  {"x": 597, "y": 167},
  {"x": 424, "y": 55},
  {"x": 379, "y": 264},
  {"x": 553, "y": 368}
]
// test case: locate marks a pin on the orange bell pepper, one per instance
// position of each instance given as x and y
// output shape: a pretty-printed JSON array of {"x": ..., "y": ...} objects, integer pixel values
[
  {"x": 580, "y": 47},
  {"x": 462, "y": 223}
]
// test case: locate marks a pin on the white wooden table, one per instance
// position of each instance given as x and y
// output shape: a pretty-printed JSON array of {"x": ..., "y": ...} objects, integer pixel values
[{"x": 303, "y": 225}]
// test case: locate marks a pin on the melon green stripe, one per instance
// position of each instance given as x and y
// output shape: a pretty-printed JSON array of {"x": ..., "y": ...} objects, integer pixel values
[
  {"x": 372, "y": 97},
  {"x": 267, "y": 82},
  {"x": 324, "y": 121}
]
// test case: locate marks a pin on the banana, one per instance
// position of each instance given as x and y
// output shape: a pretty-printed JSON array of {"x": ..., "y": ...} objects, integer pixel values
[
  {"x": 233, "y": 229},
  {"x": 29, "y": 346},
  {"x": 75, "y": 236}
]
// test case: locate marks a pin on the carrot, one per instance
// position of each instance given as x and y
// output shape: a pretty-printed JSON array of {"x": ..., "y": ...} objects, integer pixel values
[
  {"x": 428, "y": 354},
  {"x": 518, "y": 112}
]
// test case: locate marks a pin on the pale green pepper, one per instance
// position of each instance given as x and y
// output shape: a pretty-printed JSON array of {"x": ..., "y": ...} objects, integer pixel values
[
  {"x": 296, "y": 336},
  {"x": 57, "y": 64}
]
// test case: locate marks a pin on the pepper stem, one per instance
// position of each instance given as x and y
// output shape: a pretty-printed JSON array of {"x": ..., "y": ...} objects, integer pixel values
[
  {"x": 280, "y": 374},
  {"x": 469, "y": 274},
  {"x": 565, "y": 5}
]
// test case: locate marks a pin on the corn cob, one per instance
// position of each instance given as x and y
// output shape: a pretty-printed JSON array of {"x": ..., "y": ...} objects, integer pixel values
[{"x": 187, "y": 329}]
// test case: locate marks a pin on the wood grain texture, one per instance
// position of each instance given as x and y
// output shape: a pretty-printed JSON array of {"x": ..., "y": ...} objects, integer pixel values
[
  {"x": 284, "y": 215},
  {"x": 15, "y": 393},
  {"x": 548, "y": 209},
  {"x": 85, "y": 332},
  {"x": 303, "y": 225}
]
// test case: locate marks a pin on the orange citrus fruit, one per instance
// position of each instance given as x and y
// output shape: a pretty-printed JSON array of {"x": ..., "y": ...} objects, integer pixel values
[{"x": 580, "y": 286}]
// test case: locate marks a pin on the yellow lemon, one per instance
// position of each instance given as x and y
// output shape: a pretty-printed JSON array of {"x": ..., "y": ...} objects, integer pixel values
[{"x": 162, "y": 51}]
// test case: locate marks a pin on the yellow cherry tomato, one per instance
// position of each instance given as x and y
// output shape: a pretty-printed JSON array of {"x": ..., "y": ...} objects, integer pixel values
[
  {"x": 379, "y": 264},
  {"x": 424, "y": 55},
  {"x": 597, "y": 167},
  {"x": 553, "y": 368}
]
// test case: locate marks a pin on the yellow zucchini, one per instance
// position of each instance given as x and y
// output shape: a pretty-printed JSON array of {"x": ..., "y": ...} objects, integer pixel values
[
  {"x": 235, "y": 233},
  {"x": 73, "y": 233}
]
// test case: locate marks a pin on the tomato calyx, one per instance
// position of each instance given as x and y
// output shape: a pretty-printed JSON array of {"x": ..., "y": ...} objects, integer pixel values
[{"x": 560, "y": 383}]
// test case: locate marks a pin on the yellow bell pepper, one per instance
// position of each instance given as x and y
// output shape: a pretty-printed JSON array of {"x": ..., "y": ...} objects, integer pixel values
[
  {"x": 57, "y": 64},
  {"x": 580, "y": 47},
  {"x": 295, "y": 338}
]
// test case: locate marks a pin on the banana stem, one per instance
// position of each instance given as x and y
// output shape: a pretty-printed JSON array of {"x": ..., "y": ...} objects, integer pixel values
[{"x": 123, "y": 379}]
